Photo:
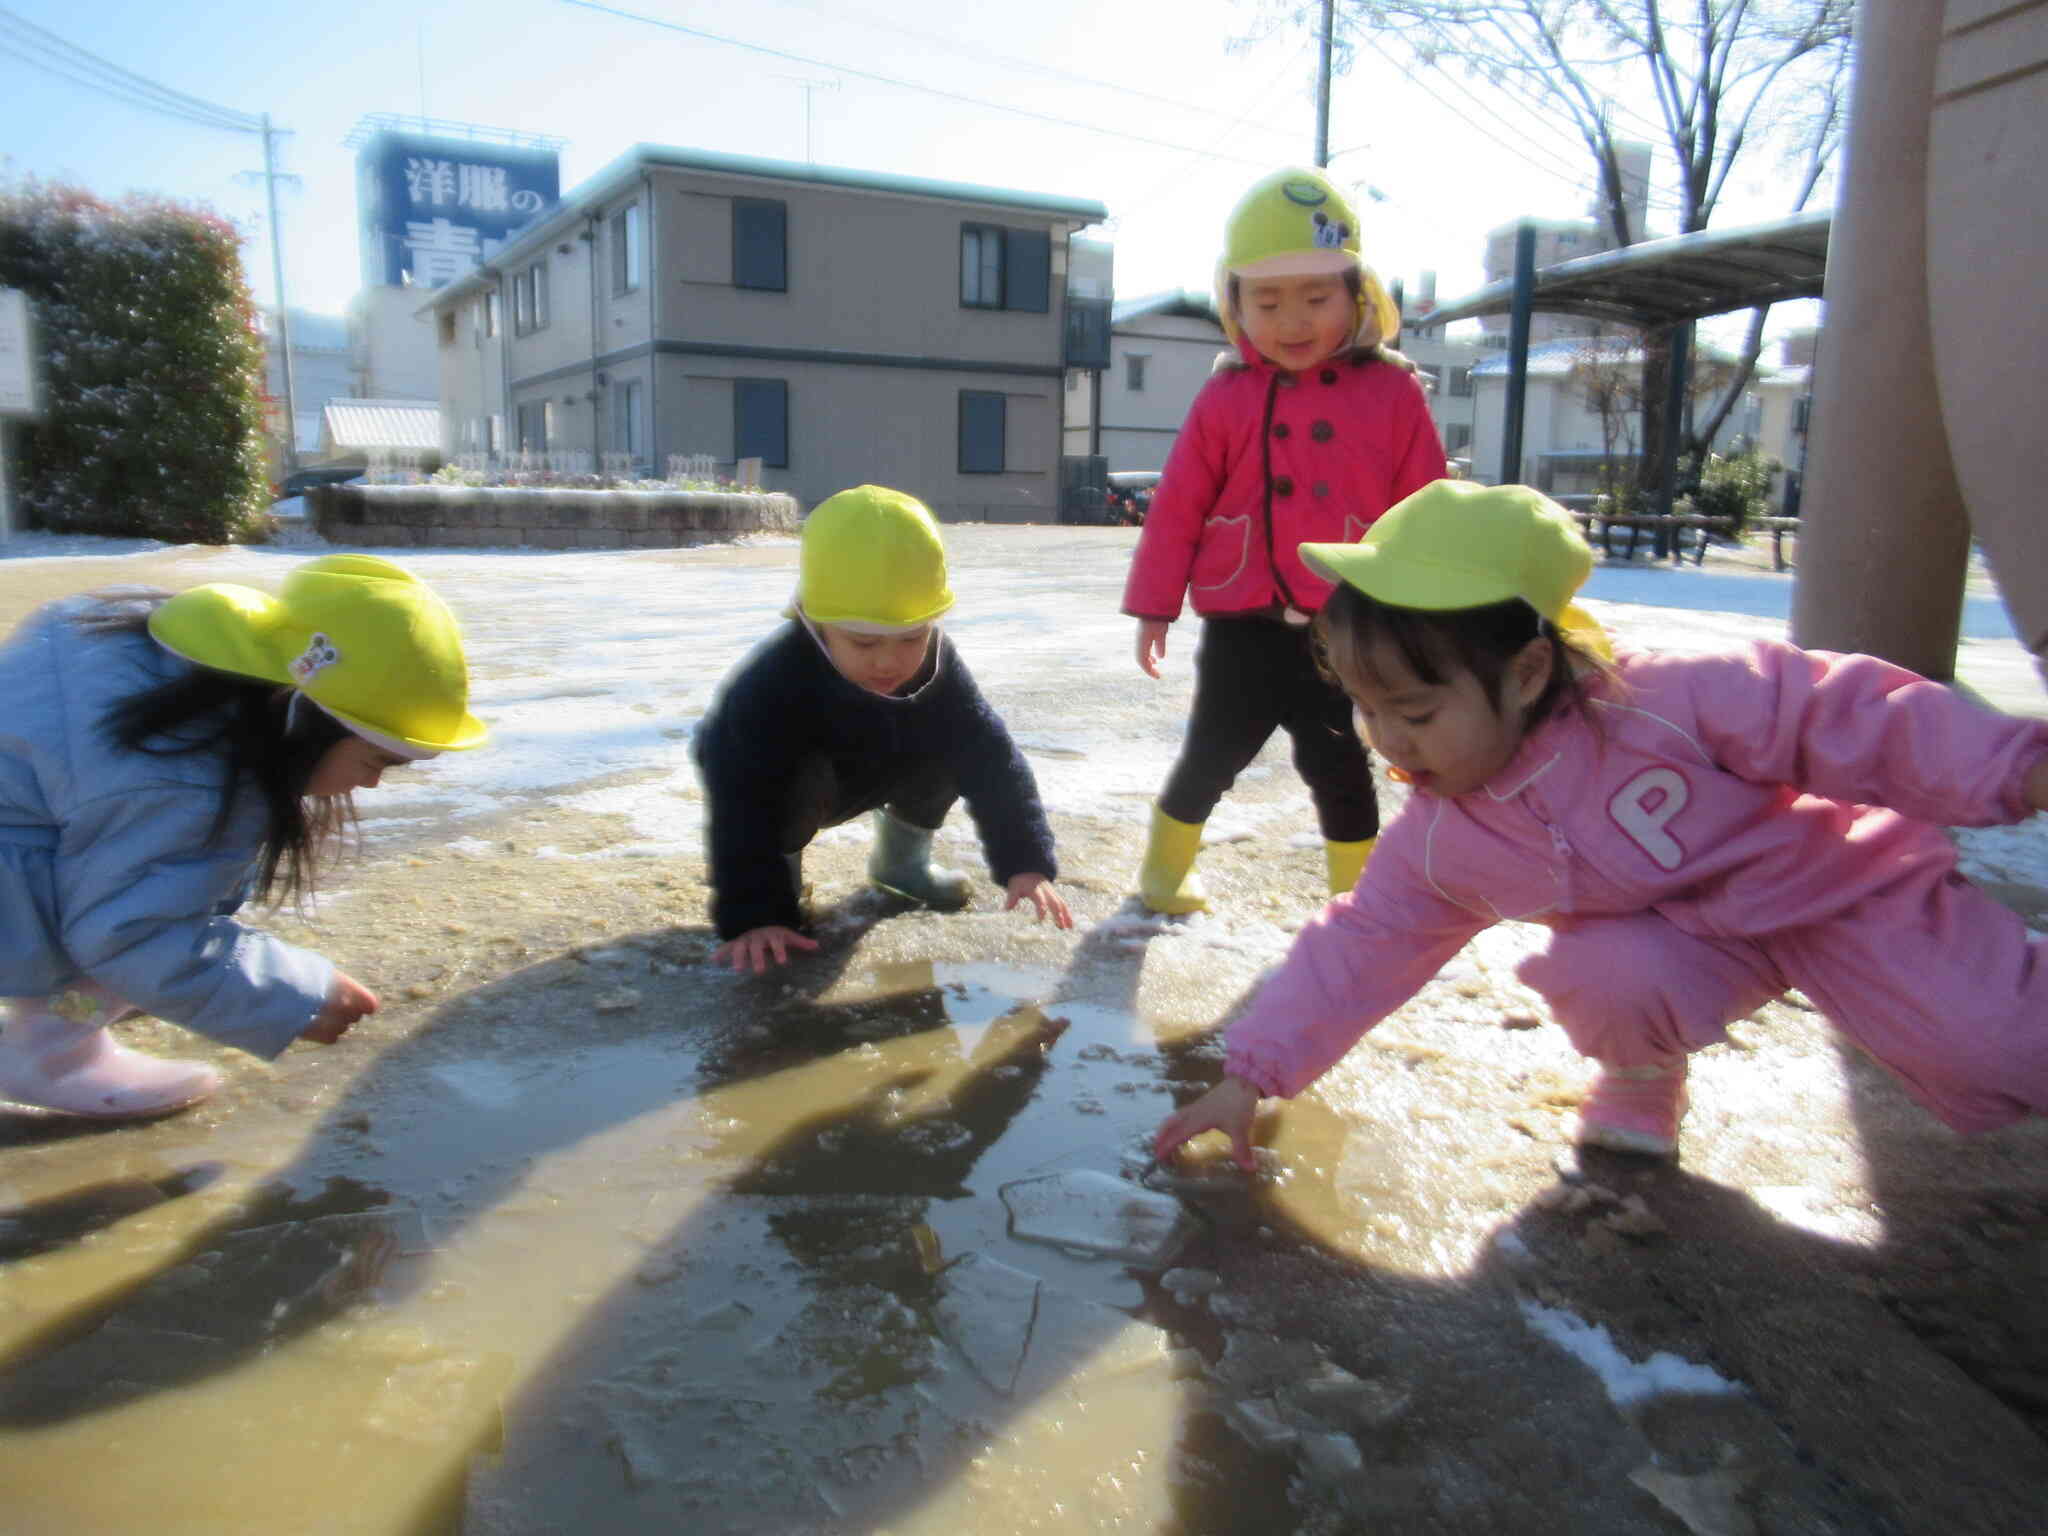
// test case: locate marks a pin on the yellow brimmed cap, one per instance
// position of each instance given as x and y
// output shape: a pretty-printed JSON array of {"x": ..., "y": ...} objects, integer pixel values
[
  {"x": 364, "y": 639},
  {"x": 873, "y": 556},
  {"x": 1459, "y": 544}
]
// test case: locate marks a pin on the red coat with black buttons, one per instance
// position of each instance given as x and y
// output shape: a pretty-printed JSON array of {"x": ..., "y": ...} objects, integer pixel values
[{"x": 1266, "y": 461}]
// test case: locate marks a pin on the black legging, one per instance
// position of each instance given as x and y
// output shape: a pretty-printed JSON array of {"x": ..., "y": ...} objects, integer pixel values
[
  {"x": 826, "y": 792},
  {"x": 1252, "y": 675}
]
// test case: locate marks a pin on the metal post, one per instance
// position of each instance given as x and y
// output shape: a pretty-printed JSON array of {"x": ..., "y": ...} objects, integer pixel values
[
  {"x": 6, "y": 487},
  {"x": 284, "y": 330},
  {"x": 1323, "y": 85},
  {"x": 1523, "y": 306},
  {"x": 1674, "y": 426}
]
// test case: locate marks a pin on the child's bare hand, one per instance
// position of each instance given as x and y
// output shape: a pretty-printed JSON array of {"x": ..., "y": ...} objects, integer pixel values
[
  {"x": 1151, "y": 645},
  {"x": 2037, "y": 785},
  {"x": 1039, "y": 891},
  {"x": 1228, "y": 1107},
  {"x": 347, "y": 1001},
  {"x": 758, "y": 948}
]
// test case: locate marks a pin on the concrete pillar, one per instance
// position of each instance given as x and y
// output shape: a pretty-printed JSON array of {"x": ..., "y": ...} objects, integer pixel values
[
  {"x": 1884, "y": 543},
  {"x": 1987, "y": 223}
]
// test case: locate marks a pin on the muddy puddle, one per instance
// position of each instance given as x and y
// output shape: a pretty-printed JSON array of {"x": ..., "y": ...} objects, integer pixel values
[{"x": 886, "y": 1257}]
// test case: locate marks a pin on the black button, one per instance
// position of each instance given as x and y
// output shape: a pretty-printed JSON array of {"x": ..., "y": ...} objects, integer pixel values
[
  {"x": 1322, "y": 431},
  {"x": 1320, "y": 488},
  {"x": 1279, "y": 429},
  {"x": 1329, "y": 375},
  {"x": 1284, "y": 486}
]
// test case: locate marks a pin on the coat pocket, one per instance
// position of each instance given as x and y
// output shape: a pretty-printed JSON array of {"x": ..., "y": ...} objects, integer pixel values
[{"x": 1220, "y": 557}]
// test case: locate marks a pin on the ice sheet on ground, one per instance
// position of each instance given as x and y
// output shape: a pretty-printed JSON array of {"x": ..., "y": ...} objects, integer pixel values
[
  {"x": 986, "y": 1311},
  {"x": 1091, "y": 1212}
]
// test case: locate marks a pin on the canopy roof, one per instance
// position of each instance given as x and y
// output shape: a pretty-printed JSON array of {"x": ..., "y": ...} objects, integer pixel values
[{"x": 1663, "y": 282}]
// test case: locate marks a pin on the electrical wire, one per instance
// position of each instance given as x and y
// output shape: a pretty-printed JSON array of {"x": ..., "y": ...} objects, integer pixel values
[
  {"x": 36, "y": 45},
  {"x": 966, "y": 50},
  {"x": 889, "y": 80}
]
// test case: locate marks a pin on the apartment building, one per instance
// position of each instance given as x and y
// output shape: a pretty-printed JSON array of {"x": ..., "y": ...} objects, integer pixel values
[{"x": 840, "y": 326}]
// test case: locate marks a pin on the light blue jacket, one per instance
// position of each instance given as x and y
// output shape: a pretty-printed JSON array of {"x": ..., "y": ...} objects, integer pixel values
[{"x": 107, "y": 866}]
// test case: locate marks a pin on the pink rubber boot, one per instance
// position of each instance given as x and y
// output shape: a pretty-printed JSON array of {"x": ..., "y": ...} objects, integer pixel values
[
  {"x": 1635, "y": 1109},
  {"x": 56, "y": 1053}
]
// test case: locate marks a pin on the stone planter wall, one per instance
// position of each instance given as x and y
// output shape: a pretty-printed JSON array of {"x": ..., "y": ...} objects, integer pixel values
[{"x": 540, "y": 518}]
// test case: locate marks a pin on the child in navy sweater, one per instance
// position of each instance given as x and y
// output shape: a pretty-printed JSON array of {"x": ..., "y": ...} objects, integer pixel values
[{"x": 861, "y": 704}]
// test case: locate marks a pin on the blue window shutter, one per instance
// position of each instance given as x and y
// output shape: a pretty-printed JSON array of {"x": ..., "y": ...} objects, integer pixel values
[
  {"x": 760, "y": 421},
  {"x": 760, "y": 244},
  {"x": 1027, "y": 270},
  {"x": 982, "y": 414}
]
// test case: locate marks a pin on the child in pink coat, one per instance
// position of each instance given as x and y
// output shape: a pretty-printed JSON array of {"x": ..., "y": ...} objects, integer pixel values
[
  {"x": 1698, "y": 833},
  {"x": 1309, "y": 432}
]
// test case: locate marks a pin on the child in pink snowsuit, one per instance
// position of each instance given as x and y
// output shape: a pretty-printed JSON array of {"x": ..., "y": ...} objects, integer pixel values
[{"x": 1699, "y": 833}]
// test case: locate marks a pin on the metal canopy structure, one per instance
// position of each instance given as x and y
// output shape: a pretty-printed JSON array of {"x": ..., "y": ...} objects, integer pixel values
[
  {"x": 1668, "y": 282},
  {"x": 1657, "y": 285}
]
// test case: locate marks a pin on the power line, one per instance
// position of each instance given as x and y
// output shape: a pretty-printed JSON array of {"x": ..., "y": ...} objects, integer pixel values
[
  {"x": 28, "y": 41},
  {"x": 904, "y": 85},
  {"x": 840, "y": 13}
]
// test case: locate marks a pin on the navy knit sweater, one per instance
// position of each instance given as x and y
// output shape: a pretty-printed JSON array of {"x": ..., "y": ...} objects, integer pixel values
[{"x": 786, "y": 703}]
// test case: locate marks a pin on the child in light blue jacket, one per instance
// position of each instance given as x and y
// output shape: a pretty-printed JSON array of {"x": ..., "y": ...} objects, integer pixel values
[{"x": 161, "y": 759}]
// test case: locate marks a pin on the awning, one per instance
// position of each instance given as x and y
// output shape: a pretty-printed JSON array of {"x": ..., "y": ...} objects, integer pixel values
[{"x": 1662, "y": 282}]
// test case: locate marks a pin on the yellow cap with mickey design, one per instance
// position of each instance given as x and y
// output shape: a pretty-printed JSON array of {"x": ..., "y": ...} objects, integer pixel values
[{"x": 361, "y": 637}]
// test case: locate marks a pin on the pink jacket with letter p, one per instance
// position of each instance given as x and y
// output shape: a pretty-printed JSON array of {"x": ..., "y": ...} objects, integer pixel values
[
  {"x": 1268, "y": 460},
  {"x": 1736, "y": 796}
]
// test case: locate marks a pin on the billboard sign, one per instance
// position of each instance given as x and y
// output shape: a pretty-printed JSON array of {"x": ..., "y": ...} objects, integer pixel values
[{"x": 434, "y": 208}]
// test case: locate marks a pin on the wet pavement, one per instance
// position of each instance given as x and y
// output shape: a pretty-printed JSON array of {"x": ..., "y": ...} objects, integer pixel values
[{"x": 582, "y": 1233}]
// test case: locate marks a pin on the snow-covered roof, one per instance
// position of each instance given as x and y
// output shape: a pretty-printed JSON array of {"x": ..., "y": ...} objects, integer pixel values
[
  {"x": 384, "y": 423},
  {"x": 1557, "y": 357},
  {"x": 1184, "y": 303}
]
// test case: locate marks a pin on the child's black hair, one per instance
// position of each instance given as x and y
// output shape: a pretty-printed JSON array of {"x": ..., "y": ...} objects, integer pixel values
[
  {"x": 263, "y": 742},
  {"x": 1436, "y": 644}
]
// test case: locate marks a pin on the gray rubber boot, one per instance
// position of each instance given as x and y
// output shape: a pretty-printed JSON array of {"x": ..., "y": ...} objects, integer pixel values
[{"x": 901, "y": 863}]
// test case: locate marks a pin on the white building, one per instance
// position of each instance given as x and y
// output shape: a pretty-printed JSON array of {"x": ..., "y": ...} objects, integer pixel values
[
  {"x": 1569, "y": 441},
  {"x": 1162, "y": 349},
  {"x": 320, "y": 370}
]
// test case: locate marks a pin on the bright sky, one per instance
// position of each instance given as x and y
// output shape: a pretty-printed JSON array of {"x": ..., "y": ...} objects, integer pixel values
[{"x": 1219, "y": 105}]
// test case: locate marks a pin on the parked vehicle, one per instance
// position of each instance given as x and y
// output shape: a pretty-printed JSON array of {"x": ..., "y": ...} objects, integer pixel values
[{"x": 1130, "y": 495}]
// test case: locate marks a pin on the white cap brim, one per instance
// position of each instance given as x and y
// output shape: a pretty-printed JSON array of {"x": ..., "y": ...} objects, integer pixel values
[{"x": 1300, "y": 264}]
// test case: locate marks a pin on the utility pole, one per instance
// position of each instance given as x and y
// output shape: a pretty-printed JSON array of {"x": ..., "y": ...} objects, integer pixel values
[
  {"x": 1323, "y": 85},
  {"x": 284, "y": 329}
]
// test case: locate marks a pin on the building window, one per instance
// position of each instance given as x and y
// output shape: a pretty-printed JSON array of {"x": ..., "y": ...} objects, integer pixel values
[
  {"x": 982, "y": 431},
  {"x": 760, "y": 421},
  {"x": 530, "y": 299},
  {"x": 535, "y": 417},
  {"x": 626, "y": 249},
  {"x": 1134, "y": 371},
  {"x": 494, "y": 433},
  {"x": 491, "y": 312},
  {"x": 626, "y": 418},
  {"x": 1005, "y": 268},
  {"x": 1461, "y": 384},
  {"x": 447, "y": 328},
  {"x": 981, "y": 266},
  {"x": 760, "y": 244},
  {"x": 1457, "y": 435}
]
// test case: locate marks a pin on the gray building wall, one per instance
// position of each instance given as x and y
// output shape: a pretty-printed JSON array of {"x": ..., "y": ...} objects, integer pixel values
[{"x": 868, "y": 336}]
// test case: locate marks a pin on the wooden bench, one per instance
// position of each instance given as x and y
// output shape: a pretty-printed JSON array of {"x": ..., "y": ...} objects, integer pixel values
[
  {"x": 1777, "y": 528},
  {"x": 1599, "y": 528}
]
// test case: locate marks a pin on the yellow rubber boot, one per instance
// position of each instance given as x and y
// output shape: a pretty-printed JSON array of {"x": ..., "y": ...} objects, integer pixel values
[
  {"x": 1346, "y": 863},
  {"x": 1164, "y": 881}
]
